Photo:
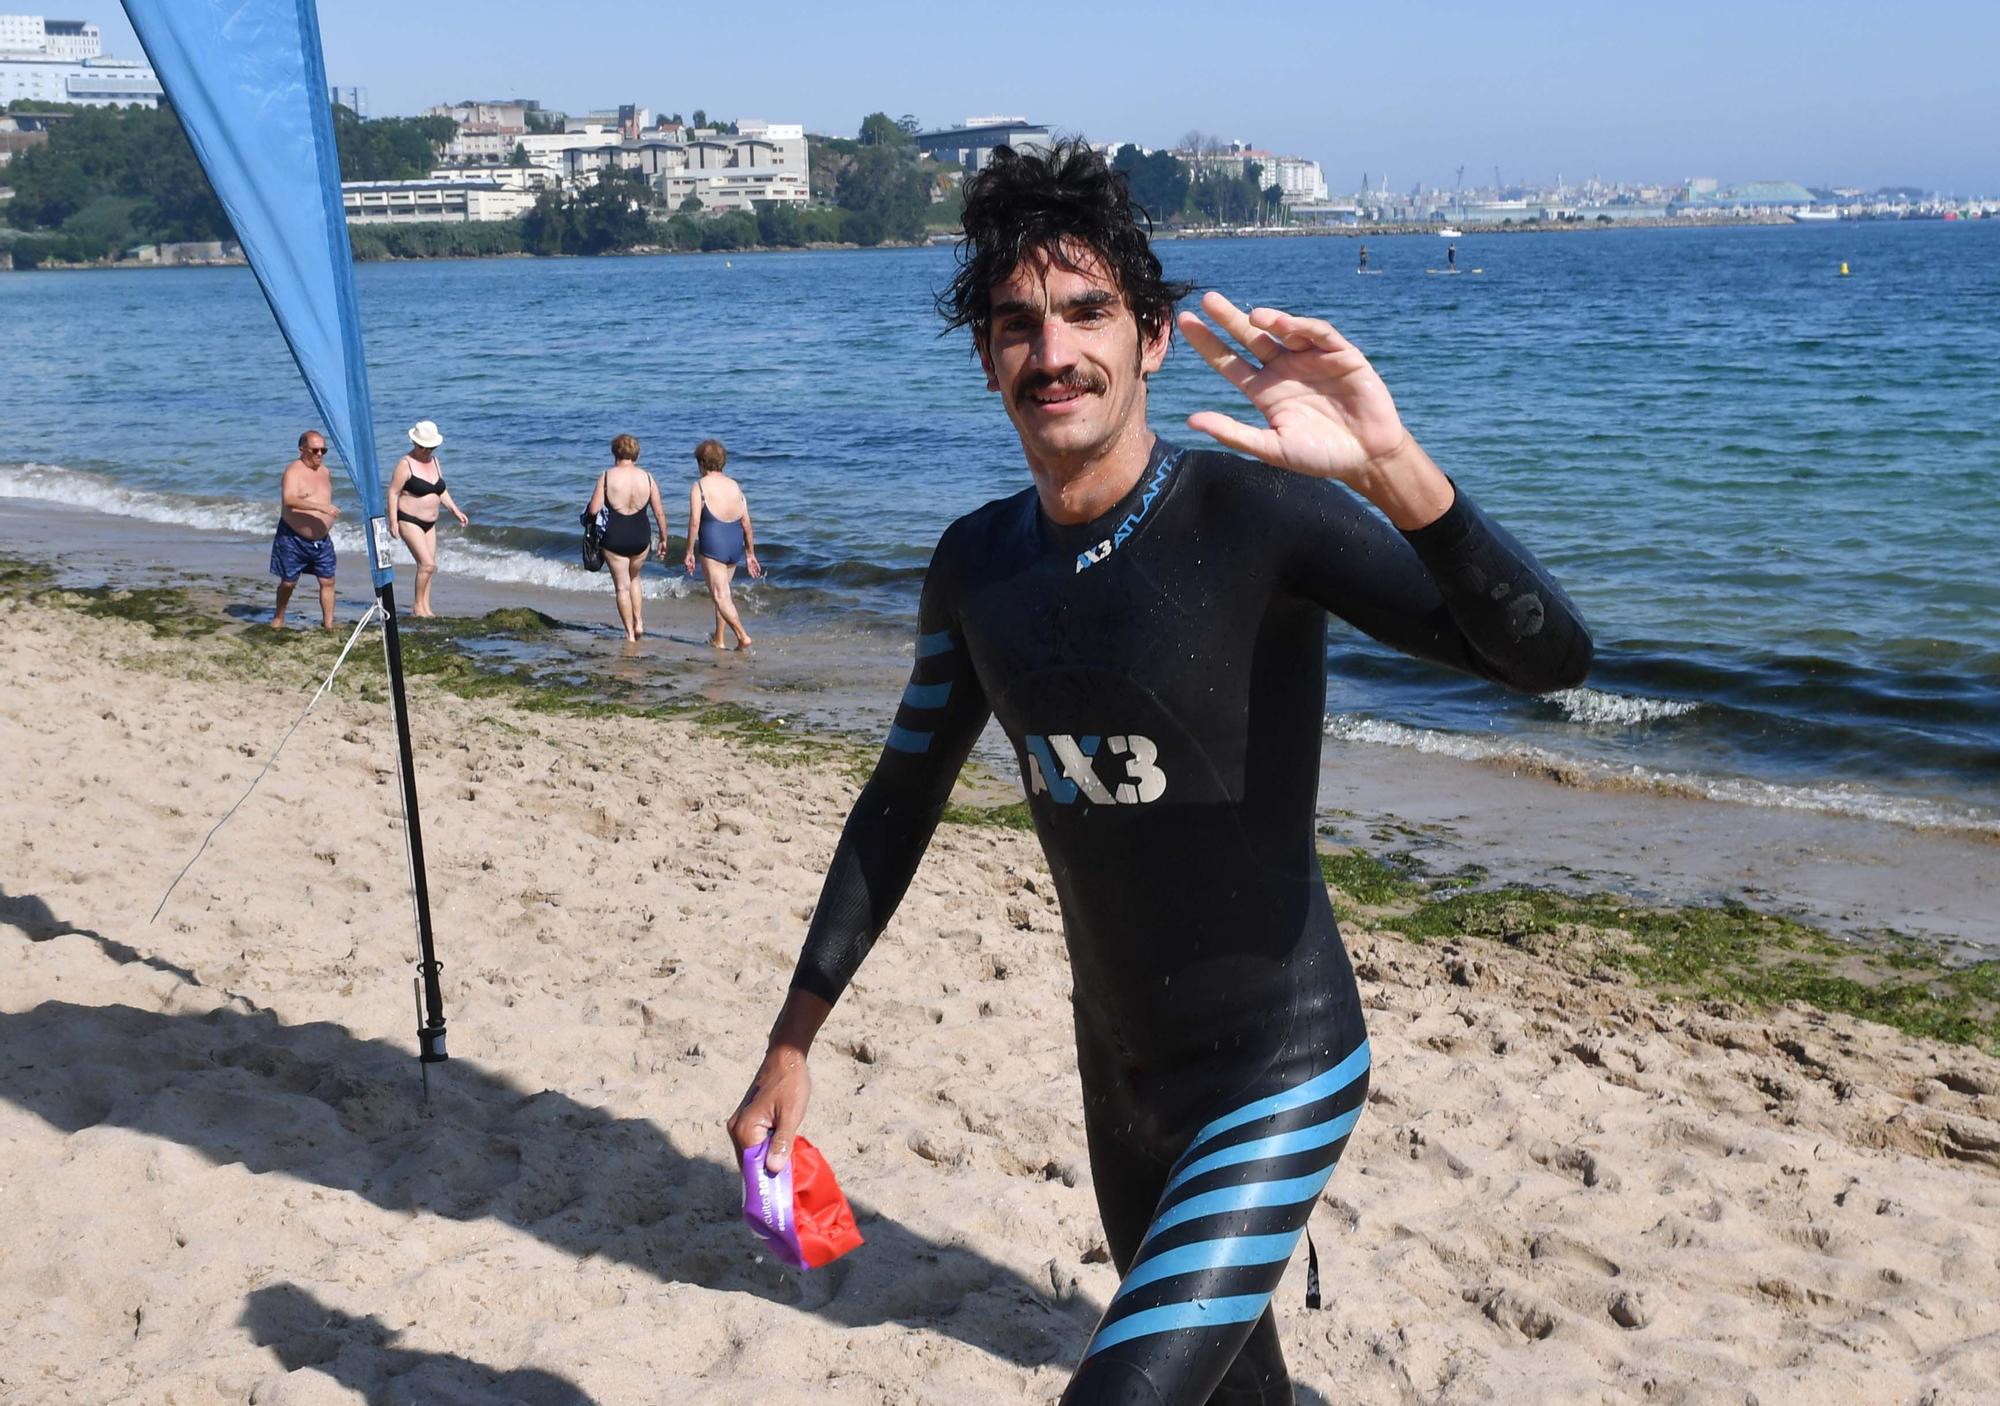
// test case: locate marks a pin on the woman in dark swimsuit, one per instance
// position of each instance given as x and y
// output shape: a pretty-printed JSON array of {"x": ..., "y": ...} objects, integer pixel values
[
  {"x": 416, "y": 490},
  {"x": 720, "y": 542},
  {"x": 628, "y": 491}
]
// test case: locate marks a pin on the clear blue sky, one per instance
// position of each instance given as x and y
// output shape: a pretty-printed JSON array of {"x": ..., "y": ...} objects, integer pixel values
[{"x": 1902, "y": 91}]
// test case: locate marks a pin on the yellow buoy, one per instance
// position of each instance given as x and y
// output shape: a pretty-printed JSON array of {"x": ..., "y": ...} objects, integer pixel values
[{"x": 1843, "y": 269}]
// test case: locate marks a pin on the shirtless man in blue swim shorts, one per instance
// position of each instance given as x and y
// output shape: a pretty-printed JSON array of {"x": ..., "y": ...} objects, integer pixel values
[
  {"x": 304, "y": 541},
  {"x": 1147, "y": 622}
]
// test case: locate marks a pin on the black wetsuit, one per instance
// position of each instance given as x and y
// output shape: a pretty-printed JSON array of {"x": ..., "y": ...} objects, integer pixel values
[{"x": 1161, "y": 675}]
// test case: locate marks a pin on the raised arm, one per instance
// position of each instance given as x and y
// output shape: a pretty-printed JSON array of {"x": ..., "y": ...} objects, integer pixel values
[
  {"x": 1455, "y": 587},
  {"x": 1459, "y": 591}
]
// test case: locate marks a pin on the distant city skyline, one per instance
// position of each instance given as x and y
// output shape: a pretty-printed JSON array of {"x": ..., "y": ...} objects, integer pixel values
[{"x": 1839, "y": 94}]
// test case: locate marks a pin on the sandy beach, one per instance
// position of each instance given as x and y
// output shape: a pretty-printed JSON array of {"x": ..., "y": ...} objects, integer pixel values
[{"x": 220, "y": 1181}]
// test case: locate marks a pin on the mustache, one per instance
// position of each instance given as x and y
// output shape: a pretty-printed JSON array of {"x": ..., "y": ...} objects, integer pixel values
[{"x": 1076, "y": 379}]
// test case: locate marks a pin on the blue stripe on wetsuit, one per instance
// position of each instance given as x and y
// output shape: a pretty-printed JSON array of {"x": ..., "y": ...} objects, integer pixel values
[
  {"x": 903, "y": 739},
  {"x": 1209, "y": 1254},
  {"x": 1284, "y": 1145},
  {"x": 1226, "y": 1250},
  {"x": 1196, "y": 1313},
  {"x": 922, "y": 695},
  {"x": 1312, "y": 1091},
  {"x": 926, "y": 695}
]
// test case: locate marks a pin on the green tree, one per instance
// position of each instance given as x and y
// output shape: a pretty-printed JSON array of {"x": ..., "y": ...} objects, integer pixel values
[
  {"x": 128, "y": 176},
  {"x": 735, "y": 230},
  {"x": 520, "y": 157},
  {"x": 777, "y": 224},
  {"x": 885, "y": 196},
  {"x": 831, "y": 159},
  {"x": 700, "y": 118},
  {"x": 880, "y": 129},
  {"x": 1159, "y": 182},
  {"x": 611, "y": 213},
  {"x": 546, "y": 227},
  {"x": 389, "y": 148}
]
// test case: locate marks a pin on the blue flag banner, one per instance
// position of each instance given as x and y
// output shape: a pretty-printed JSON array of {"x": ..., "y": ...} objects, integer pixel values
[{"x": 248, "y": 81}]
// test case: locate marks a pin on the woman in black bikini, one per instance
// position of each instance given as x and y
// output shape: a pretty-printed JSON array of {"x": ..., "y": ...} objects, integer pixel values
[
  {"x": 415, "y": 491},
  {"x": 628, "y": 491}
]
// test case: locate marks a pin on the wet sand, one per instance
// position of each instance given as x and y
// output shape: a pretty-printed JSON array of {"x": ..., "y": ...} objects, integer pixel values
[{"x": 1849, "y": 875}]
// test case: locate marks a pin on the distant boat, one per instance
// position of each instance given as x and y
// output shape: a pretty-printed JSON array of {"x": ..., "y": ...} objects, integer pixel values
[
  {"x": 1450, "y": 232},
  {"x": 1812, "y": 214}
]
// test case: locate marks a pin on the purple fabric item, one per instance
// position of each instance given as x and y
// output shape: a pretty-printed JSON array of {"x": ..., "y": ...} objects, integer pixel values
[{"x": 767, "y": 1206}]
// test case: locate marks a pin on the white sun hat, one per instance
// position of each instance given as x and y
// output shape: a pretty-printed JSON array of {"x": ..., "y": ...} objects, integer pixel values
[{"x": 424, "y": 435}]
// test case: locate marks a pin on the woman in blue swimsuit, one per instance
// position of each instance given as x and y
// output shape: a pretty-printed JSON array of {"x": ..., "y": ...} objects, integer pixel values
[{"x": 721, "y": 536}]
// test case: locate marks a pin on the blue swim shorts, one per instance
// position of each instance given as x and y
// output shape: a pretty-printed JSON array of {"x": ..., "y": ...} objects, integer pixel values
[{"x": 292, "y": 555}]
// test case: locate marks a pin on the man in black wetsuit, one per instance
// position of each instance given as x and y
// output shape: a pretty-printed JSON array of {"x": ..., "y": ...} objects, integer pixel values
[{"x": 1148, "y": 624}]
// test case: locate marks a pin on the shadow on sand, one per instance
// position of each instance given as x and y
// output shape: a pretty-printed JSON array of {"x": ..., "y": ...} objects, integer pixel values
[
  {"x": 34, "y": 918},
  {"x": 359, "y": 1353},
  {"x": 316, "y": 1103}
]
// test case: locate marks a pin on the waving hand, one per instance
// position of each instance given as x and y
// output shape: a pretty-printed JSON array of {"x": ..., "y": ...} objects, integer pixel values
[{"x": 1327, "y": 413}]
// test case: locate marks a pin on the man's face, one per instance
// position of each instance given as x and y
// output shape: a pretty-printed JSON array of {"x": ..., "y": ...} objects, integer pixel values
[
  {"x": 1067, "y": 357},
  {"x": 313, "y": 452}
]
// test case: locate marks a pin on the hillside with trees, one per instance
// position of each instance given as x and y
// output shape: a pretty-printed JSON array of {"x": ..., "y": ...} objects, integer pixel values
[{"x": 109, "y": 179}]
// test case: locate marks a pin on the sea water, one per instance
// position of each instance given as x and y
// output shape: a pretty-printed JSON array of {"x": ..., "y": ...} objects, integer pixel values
[{"x": 1770, "y": 488}]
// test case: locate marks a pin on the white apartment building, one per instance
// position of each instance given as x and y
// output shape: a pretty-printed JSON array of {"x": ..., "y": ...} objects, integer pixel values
[
  {"x": 430, "y": 202},
  {"x": 31, "y": 36},
  {"x": 483, "y": 144},
  {"x": 1300, "y": 179},
  {"x": 549, "y": 149},
  {"x": 60, "y": 61},
  {"x": 735, "y": 187},
  {"x": 508, "y": 112},
  {"x": 528, "y": 178},
  {"x": 86, "y": 82},
  {"x": 759, "y": 161},
  {"x": 1230, "y": 161}
]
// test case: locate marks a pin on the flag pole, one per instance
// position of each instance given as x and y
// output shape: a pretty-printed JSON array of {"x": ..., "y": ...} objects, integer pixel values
[
  {"x": 430, "y": 1016},
  {"x": 247, "y": 81}
]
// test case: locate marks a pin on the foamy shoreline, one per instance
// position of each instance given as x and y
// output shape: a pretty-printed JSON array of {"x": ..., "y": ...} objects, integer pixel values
[{"x": 221, "y": 1183}]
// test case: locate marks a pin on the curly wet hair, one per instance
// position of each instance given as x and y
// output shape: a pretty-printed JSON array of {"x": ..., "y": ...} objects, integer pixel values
[{"x": 1055, "y": 203}]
